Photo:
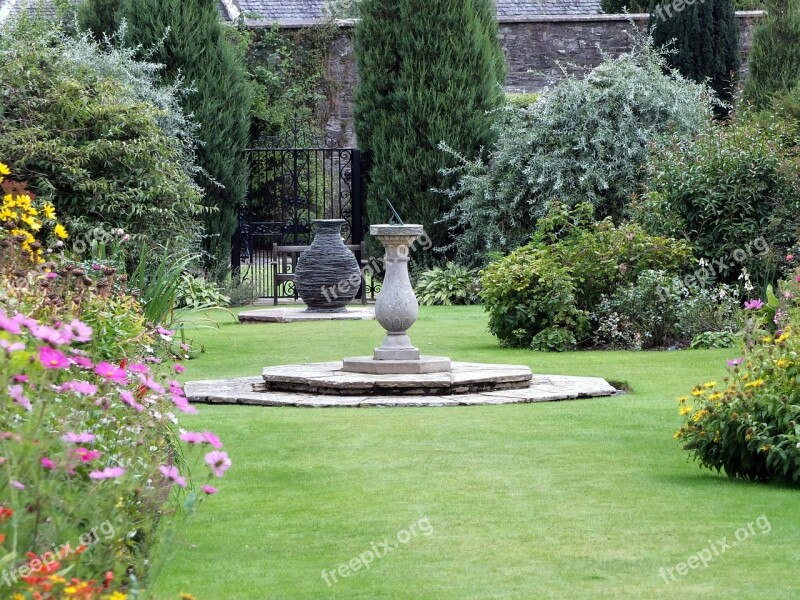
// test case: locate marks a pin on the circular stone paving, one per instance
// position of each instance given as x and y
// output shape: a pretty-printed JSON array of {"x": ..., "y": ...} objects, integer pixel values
[{"x": 376, "y": 391}]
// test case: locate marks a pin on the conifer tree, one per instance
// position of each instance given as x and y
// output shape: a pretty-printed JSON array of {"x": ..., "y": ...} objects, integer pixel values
[
  {"x": 705, "y": 38},
  {"x": 197, "y": 49},
  {"x": 430, "y": 70},
  {"x": 99, "y": 16},
  {"x": 775, "y": 57}
]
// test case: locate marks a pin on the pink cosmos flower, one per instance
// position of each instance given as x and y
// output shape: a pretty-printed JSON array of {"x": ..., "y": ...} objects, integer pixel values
[
  {"x": 151, "y": 384},
  {"x": 183, "y": 405},
  {"x": 87, "y": 455},
  {"x": 153, "y": 359},
  {"x": 17, "y": 394},
  {"x": 82, "y": 362},
  {"x": 172, "y": 473},
  {"x": 82, "y": 388},
  {"x": 10, "y": 348},
  {"x": 127, "y": 398},
  {"x": 192, "y": 437},
  {"x": 218, "y": 462},
  {"x": 212, "y": 439},
  {"x": 52, "y": 358},
  {"x": 28, "y": 322},
  {"x": 48, "y": 464},
  {"x": 81, "y": 332},
  {"x": 78, "y": 438},
  {"x": 111, "y": 372},
  {"x": 103, "y": 403},
  {"x": 50, "y": 275},
  {"x": 9, "y": 324},
  {"x": 17, "y": 484},
  {"x": 165, "y": 332},
  {"x": 108, "y": 473},
  {"x": 139, "y": 368},
  {"x": 789, "y": 257},
  {"x": 50, "y": 335},
  {"x": 754, "y": 304},
  {"x": 20, "y": 378},
  {"x": 797, "y": 278},
  {"x": 735, "y": 362},
  {"x": 208, "y": 489},
  {"x": 178, "y": 368}
]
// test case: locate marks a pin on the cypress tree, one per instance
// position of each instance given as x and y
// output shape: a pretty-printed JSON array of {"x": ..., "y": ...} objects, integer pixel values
[
  {"x": 429, "y": 72},
  {"x": 775, "y": 57},
  {"x": 99, "y": 16},
  {"x": 705, "y": 38},
  {"x": 197, "y": 49}
]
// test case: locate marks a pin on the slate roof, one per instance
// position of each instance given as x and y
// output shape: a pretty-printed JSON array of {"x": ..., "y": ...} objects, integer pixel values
[{"x": 314, "y": 10}]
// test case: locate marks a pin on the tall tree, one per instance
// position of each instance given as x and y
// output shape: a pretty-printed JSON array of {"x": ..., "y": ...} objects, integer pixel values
[
  {"x": 705, "y": 38},
  {"x": 196, "y": 48},
  {"x": 101, "y": 17},
  {"x": 775, "y": 57},
  {"x": 430, "y": 71}
]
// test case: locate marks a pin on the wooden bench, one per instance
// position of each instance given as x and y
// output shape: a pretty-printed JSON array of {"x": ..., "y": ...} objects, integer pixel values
[{"x": 284, "y": 263}]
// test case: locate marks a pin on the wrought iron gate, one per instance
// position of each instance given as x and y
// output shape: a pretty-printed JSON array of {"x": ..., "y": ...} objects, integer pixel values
[{"x": 294, "y": 179}]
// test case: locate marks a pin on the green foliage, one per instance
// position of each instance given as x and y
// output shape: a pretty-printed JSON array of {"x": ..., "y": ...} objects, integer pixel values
[
  {"x": 195, "y": 292},
  {"x": 714, "y": 339},
  {"x": 100, "y": 17},
  {"x": 659, "y": 310},
  {"x": 541, "y": 296},
  {"x": 522, "y": 100},
  {"x": 620, "y": 6},
  {"x": 157, "y": 280},
  {"x": 587, "y": 140},
  {"x": 198, "y": 49},
  {"x": 446, "y": 286},
  {"x": 732, "y": 192},
  {"x": 429, "y": 72},
  {"x": 751, "y": 428},
  {"x": 91, "y": 130},
  {"x": 242, "y": 293},
  {"x": 774, "y": 60},
  {"x": 706, "y": 42}
]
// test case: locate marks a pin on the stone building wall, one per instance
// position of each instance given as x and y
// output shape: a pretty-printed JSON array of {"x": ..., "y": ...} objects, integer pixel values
[{"x": 539, "y": 50}]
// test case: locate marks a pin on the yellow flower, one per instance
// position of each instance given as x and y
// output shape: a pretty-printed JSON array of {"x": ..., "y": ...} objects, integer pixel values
[
  {"x": 766, "y": 340},
  {"x": 683, "y": 399},
  {"x": 755, "y": 384},
  {"x": 677, "y": 434},
  {"x": 699, "y": 415},
  {"x": 709, "y": 385},
  {"x": 116, "y": 596},
  {"x": 782, "y": 363},
  {"x": 697, "y": 392},
  {"x": 49, "y": 212},
  {"x": 716, "y": 436},
  {"x": 4, "y": 170},
  {"x": 716, "y": 396},
  {"x": 60, "y": 231},
  {"x": 32, "y": 223},
  {"x": 765, "y": 448},
  {"x": 782, "y": 337},
  {"x": 685, "y": 410},
  {"x": 185, "y": 596}
]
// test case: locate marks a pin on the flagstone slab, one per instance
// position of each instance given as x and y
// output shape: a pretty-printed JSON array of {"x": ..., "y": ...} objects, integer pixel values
[{"x": 297, "y": 314}]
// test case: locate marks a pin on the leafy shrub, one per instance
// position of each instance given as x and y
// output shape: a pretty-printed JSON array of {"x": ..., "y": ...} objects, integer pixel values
[
  {"x": 78, "y": 124},
  {"x": 714, "y": 339},
  {"x": 586, "y": 140},
  {"x": 196, "y": 292},
  {"x": 659, "y": 310},
  {"x": 242, "y": 293},
  {"x": 541, "y": 295},
  {"x": 751, "y": 427},
  {"x": 446, "y": 286},
  {"x": 774, "y": 59},
  {"x": 733, "y": 192},
  {"x": 522, "y": 100}
]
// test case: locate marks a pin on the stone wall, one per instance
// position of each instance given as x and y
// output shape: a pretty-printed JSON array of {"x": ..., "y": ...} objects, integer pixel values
[{"x": 539, "y": 50}]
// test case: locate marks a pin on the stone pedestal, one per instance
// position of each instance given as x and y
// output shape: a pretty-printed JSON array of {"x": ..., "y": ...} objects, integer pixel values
[{"x": 396, "y": 309}]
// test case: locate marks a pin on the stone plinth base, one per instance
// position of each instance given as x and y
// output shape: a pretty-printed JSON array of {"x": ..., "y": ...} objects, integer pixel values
[
  {"x": 423, "y": 365},
  {"x": 297, "y": 314}
]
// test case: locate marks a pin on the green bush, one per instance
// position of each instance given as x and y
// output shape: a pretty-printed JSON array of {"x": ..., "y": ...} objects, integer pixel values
[
  {"x": 714, "y": 339},
  {"x": 541, "y": 296},
  {"x": 448, "y": 285},
  {"x": 429, "y": 72},
  {"x": 774, "y": 60},
  {"x": 587, "y": 140},
  {"x": 733, "y": 192},
  {"x": 92, "y": 132},
  {"x": 196, "y": 292},
  {"x": 522, "y": 100}
]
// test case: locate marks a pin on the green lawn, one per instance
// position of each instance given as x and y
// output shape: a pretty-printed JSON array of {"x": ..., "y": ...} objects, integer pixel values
[{"x": 584, "y": 499}]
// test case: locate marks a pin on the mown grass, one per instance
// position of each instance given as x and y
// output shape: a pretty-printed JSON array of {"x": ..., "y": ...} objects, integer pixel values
[{"x": 583, "y": 499}]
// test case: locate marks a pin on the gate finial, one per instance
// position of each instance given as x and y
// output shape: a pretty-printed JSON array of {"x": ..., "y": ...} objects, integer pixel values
[{"x": 395, "y": 220}]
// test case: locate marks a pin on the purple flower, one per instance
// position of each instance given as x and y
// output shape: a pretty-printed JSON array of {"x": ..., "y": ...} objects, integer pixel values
[
  {"x": 10, "y": 348},
  {"x": 81, "y": 332},
  {"x": 78, "y": 438},
  {"x": 51, "y": 335},
  {"x": 208, "y": 489},
  {"x": 171, "y": 472},
  {"x": 178, "y": 368},
  {"x": 212, "y": 439},
  {"x": 192, "y": 437},
  {"x": 82, "y": 388},
  {"x": 151, "y": 384},
  {"x": 21, "y": 319},
  {"x": 182, "y": 404},
  {"x": 17, "y": 484},
  {"x": 128, "y": 399},
  {"x": 139, "y": 368},
  {"x": 48, "y": 464},
  {"x": 754, "y": 304},
  {"x": 111, "y": 372},
  {"x": 218, "y": 462},
  {"x": 108, "y": 473},
  {"x": 82, "y": 362},
  {"x": 735, "y": 362},
  {"x": 17, "y": 394},
  {"x": 52, "y": 359},
  {"x": 10, "y": 325},
  {"x": 165, "y": 332}
]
